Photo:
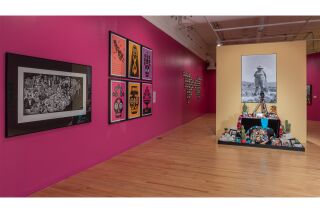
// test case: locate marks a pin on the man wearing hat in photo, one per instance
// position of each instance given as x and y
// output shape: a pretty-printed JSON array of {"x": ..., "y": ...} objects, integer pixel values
[{"x": 260, "y": 80}]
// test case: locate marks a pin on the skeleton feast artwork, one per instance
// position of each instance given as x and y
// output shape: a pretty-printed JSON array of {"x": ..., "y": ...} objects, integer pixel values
[
  {"x": 190, "y": 84},
  {"x": 259, "y": 74},
  {"x": 43, "y": 94},
  {"x": 118, "y": 101},
  {"x": 51, "y": 93}
]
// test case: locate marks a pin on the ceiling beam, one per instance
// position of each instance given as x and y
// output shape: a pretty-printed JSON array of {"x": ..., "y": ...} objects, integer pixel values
[
  {"x": 254, "y": 38},
  {"x": 214, "y": 30},
  {"x": 260, "y": 29},
  {"x": 302, "y": 27},
  {"x": 267, "y": 25}
]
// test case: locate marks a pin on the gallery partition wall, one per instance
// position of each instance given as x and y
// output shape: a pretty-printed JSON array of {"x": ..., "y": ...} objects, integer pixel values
[{"x": 287, "y": 86}]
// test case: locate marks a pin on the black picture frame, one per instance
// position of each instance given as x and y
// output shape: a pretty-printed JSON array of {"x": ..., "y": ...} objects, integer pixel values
[
  {"x": 140, "y": 116},
  {"x": 232, "y": 131},
  {"x": 140, "y": 60},
  {"x": 276, "y": 65},
  {"x": 143, "y": 79},
  {"x": 110, "y": 102},
  {"x": 141, "y": 100},
  {"x": 110, "y": 55},
  {"x": 16, "y": 66}
]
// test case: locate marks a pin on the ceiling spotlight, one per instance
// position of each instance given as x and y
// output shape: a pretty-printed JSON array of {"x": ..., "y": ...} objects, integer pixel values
[{"x": 219, "y": 43}]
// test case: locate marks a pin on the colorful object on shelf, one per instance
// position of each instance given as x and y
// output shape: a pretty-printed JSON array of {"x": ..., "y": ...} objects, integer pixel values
[
  {"x": 287, "y": 127},
  {"x": 273, "y": 109},
  {"x": 281, "y": 130},
  {"x": 264, "y": 122},
  {"x": 243, "y": 135},
  {"x": 261, "y": 132},
  {"x": 244, "y": 109}
]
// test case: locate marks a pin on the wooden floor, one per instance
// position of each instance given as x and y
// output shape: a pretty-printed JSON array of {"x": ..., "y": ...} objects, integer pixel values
[{"x": 188, "y": 162}]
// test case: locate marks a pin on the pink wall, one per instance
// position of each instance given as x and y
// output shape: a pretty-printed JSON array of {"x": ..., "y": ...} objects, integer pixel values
[
  {"x": 32, "y": 162},
  {"x": 211, "y": 85},
  {"x": 313, "y": 78}
]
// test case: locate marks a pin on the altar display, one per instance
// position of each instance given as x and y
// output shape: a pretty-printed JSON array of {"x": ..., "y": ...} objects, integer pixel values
[{"x": 261, "y": 129}]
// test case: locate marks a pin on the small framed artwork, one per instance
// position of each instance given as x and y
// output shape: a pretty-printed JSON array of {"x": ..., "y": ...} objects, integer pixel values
[
  {"x": 117, "y": 101},
  {"x": 146, "y": 95},
  {"x": 295, "y": 143},
  {"x": 134, "y": 60},
  {"x": 118, "y": 55},
  {"x": 309, "y": 94},
  {"x": 232, "y": 131},
  {"x": 134, "y": 100},
  {"x": 286, "y": 143},
  {"x": 146, "y": 64},
  {"x": 43, "y": 94}
]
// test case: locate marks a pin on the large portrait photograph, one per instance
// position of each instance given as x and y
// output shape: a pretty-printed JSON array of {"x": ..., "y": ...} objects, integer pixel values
[
  {"x": 118, "y": 55},
  {"x": 134, "y": 97},
  {"x": 117, "y": 101},
  {"x": 43, "y": 94},
  {"x": 134, "y": 60},
  {"x": 259, "y": 75}
]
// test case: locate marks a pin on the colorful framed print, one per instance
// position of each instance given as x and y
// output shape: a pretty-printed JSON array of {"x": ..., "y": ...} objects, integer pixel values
[
  {"x": 146, "y": 64},
  {"x": 146, "y": 95},
  {"x": 134, "y": 60},
  {"x": 309, "y": 94},
  {"x": 118, "y": 55},
  {"x": 117, "y": 101},
  {"x": 134, "y": 97},
  {"x": 43, "y": 94}
]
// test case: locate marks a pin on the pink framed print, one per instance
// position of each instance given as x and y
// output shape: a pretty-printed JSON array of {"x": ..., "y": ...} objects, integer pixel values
[
  {"x": 146, "y": 99},
  {"x": 117, "y": 101},
  {"x": 146, "y": 64}
]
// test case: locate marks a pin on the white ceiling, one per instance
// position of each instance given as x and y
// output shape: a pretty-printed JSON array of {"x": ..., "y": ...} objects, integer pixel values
[{"x": 195, "y": 32}]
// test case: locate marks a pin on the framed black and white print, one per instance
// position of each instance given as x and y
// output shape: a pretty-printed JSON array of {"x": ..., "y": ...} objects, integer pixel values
[
  {"x": 43, "y": 94},
  {"x": 259, "y": 75}
]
